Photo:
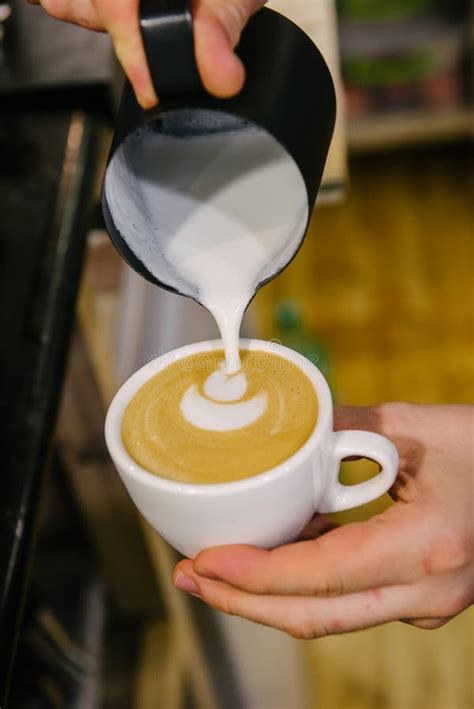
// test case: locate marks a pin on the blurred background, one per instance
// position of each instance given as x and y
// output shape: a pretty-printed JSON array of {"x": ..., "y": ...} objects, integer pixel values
[{"x": 382, "y": 293}]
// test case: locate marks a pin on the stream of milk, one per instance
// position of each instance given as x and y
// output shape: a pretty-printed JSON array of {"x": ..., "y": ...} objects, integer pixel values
[{"x": 211, "y": 215}]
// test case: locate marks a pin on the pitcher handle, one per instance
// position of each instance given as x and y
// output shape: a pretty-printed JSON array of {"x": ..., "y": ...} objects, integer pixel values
[{"x": 167, "y": 32}]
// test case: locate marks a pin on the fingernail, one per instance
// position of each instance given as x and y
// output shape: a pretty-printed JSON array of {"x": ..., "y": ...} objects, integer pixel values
[
  {"x": 148, "y": 101},
  {"x": 145, "y": 93},
  {"x": 184, "y": 583}
]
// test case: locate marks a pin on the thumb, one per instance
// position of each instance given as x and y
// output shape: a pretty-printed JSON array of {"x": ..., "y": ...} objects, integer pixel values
[
  {"x": 365, "y": 418},
  {"x": 217, "y": 28}
]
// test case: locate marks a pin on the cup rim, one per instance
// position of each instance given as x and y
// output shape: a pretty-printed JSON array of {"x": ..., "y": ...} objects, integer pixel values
[{"x": 125, "y": 462}]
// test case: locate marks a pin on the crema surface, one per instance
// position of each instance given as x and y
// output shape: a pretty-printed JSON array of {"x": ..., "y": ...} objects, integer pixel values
[{"x": 194, "y": 423}]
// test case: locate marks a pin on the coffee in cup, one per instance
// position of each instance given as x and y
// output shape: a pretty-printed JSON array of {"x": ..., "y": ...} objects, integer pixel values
[{"x": 193, "y": 423}]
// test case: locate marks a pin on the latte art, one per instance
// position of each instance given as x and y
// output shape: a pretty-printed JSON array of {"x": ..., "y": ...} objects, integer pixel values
[
  {"x": 223, "y": 387},
  {"x": 195, "y": 423},
  {"x": 213, "y": 411}
]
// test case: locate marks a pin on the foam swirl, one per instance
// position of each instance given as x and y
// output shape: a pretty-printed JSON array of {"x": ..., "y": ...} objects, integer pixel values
[
  {"x": 195, "y": 422},
  {"x": 213, "y": 416},
  {"x": 220, "y": 409}
]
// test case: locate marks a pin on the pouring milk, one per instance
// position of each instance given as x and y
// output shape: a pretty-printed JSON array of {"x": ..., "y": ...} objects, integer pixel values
[{"x": 212, "y": 215}]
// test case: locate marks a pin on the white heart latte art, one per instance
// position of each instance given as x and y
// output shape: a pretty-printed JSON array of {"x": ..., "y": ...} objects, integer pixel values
[{"x": 220, "y": 408}]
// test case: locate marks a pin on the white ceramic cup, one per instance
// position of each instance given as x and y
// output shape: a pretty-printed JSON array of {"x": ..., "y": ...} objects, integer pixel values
[{"x": 265, "y": 510}]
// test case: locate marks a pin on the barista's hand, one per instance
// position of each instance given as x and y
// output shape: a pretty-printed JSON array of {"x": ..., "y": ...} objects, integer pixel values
[
  {"x": 414, "y": 562},
  {"x": 217, "y": 28}
]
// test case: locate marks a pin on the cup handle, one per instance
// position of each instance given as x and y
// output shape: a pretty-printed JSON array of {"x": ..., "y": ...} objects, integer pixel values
[
  {"x": 364, "y": 444},
  {"x": 166, "y": 27}
]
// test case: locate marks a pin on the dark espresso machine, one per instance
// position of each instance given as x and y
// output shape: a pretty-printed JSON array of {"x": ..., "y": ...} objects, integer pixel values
[
  {"x": 57, "y": 85},
  {"x": 39, "y": 54}
]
